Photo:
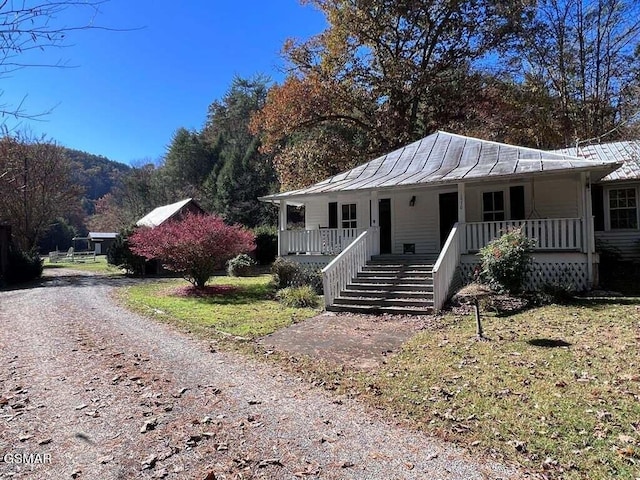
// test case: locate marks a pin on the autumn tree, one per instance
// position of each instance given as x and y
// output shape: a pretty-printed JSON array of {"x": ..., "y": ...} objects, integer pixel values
[
  {"x": 586, "y": 53},
  {"x": 369, "y": 83},
  {"x": 36, "y": 187},
  {"x": 140, "y": 190},
  {"x": 195, "y": 247}
]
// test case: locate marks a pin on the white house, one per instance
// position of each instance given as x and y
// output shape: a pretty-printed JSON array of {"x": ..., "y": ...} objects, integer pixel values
[
  {"x": 615, "y": 197},
  {"x": 430, "y": 206}
]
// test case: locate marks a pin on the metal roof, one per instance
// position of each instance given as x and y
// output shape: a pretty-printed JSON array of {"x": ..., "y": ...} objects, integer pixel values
[
  {"x": 159, "y": 215},
  {"x": 443, "y": 158},
  {"x": 102, "y": 235},
  {"x": 627, "y": 152}
]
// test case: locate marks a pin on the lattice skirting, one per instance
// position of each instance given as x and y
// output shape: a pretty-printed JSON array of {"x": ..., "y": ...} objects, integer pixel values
[
  {"x": 570, "y": 274},
  {"x": 311, "y": 261}
]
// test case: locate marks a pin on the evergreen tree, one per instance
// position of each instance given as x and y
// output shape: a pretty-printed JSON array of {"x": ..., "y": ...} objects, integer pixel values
[{"x": 243, "y": 173}]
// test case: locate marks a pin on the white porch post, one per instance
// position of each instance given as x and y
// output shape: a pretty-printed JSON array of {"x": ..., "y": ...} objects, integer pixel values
[
  {"x": 375, "y": 224},
  {"x": 462, "y": 217},
  {"x": 282, "y": 227},
  {"x": 375, "y": 212},
  {"x": 588, "y": 220}
]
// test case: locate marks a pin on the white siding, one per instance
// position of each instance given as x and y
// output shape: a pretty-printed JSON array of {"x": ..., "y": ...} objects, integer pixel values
[
  {"x": 316, "y": 214},
  {"x": 417, "y": 224},
  {"x": 626, "y": 241},
  {"x": 317, "y": 211},
  {"x": 473, "y": 198},
  {"x": 556, "y": 198}
]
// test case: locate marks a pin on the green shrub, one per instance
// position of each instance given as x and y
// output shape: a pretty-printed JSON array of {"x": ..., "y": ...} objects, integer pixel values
[
  {"x": 120, "y": 255},
  {"x": 284, "y": 271},
  {"x": 298, "y": 297},
  {"x": 266, "y": 244},
  {"x": 506, "y": 261},
  {"x": 22, "y": 266},
  {"x": 558, "y": 292},
  {"x": 293, "y": 274},
  {"x": 240, "y": 266}
]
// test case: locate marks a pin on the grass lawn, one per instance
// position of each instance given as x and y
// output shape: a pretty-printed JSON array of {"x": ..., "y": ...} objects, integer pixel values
[
  {"x": 243, "y": 307},
  {"x": 100, "y": 265},
  {"x": 557, "y": 389}
]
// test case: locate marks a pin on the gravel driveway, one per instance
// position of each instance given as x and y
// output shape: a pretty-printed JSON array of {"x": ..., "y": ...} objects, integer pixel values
[{"x": 89, "y": 390}]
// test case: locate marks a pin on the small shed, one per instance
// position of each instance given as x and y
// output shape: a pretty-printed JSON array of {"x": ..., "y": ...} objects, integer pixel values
[
  {"x": 173, "y": 211},
  {"x": 100, "y": 242}
]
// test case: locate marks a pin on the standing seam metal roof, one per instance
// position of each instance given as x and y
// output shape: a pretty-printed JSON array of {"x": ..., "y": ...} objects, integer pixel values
[
  {"x": 627, "y": 152},
  {"x": 159, "y": 215},
  {"x": 445, "y": 157}
]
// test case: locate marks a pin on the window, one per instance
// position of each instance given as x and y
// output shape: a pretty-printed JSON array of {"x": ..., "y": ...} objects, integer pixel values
[
  {"x": 493, "y": 206},
  {"x": 623, "y": 209},
  {"x": 349, "y": 216}
]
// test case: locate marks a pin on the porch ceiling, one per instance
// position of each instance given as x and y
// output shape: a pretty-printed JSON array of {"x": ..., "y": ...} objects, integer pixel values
[{"x": 448, "y": 158}]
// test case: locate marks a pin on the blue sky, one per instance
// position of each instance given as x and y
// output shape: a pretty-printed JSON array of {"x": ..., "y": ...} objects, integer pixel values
[{"x": 129, "y": 91}]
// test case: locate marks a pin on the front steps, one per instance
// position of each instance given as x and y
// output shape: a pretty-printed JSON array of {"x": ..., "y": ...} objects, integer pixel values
[{"x": 398, "y": 284}]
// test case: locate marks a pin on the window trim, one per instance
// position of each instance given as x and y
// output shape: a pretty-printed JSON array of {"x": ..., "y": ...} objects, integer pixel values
[
  {"x": 350, "y": 220},
  {"x": 607, "y": 208},
  {"x": 505, "y": 204}
]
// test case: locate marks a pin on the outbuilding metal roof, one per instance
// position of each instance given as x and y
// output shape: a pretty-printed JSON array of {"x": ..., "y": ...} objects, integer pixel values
[
  {"x": 102, "y": 235},
  {"x": 448, "y": 158},
  {"x": 627, "y": 152},
  {"x": 159, "y": 215}
]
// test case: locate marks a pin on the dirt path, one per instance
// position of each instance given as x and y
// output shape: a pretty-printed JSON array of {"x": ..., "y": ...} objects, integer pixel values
[{"x": 90, "y": 390}]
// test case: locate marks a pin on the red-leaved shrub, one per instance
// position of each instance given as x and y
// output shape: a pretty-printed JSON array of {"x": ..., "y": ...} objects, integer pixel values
[{"x": 195, "y": 246}]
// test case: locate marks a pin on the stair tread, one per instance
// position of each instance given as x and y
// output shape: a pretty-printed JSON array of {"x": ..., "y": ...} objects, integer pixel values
[
  {"x": 390, "y": 284},
  {"x": 378, "y": 309}
]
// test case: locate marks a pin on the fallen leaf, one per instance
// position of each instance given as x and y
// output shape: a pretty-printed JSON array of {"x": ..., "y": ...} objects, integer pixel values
[
  {"x": 149, "y": 462},
  {"x": 269, "y": 461},
  {"x": 626, "y": 438},
  {"x": 149, "y": 425}
]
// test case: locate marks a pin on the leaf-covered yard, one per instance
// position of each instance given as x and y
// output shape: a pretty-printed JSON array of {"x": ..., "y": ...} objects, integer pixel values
[{"x": 557, "y": 388}]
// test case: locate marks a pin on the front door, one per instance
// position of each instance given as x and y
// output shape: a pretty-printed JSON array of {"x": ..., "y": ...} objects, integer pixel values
[
  {"x": 384, "y": 221},
  {"x": 448, "y": 214}
]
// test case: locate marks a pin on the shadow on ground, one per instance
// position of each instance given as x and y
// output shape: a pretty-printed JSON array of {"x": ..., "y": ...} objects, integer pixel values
[
  {"x": 64, "y": 277},
  {"x": 548, "y": 343}
]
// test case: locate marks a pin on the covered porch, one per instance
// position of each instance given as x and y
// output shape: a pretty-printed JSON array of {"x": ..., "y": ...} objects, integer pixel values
[
  {"x": 449, "y": 223},
  {"x": 445, "y": 197},
  {"x": 554, "y": 210},
  {"x": 550, "y": 234}
]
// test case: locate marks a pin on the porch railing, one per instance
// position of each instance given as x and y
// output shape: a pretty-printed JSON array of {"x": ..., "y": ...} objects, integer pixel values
[
  {"x": 445, "y": 267},
  {"x": 324, "y": 241},
  {"x": 347, "y": 265},
  {"x": 549, "y": 233}
]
